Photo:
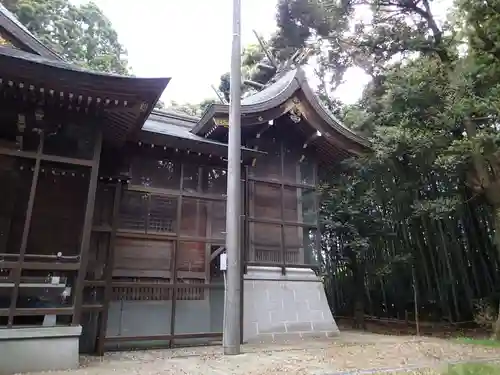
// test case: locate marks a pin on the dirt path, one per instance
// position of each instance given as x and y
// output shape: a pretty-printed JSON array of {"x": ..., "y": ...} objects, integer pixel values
[{"x": 309, "y": 357}]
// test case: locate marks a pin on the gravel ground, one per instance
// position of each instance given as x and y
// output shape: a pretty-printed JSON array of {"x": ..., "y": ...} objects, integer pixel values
[{"x": 350, "y": 351}]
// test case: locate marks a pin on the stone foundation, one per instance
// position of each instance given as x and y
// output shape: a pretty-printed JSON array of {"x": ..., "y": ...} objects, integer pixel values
[
  {"x": 38, "y": 349},
  {"x": 281, "y": 307}
]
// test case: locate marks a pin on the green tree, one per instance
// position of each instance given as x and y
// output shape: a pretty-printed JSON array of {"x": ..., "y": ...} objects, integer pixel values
[
  {"x": 189, "y": 108},
  {"x": 431, "y": 111},
  {"x": 251, "y": 56},
  {"x": 80, "y": 34}
]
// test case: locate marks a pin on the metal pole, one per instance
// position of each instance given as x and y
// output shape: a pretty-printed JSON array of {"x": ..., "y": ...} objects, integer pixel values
[{"x": 231, "y": 334}]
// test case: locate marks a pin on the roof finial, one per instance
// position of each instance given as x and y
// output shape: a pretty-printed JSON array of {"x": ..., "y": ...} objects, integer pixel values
[{"x": 273, "y": 70}]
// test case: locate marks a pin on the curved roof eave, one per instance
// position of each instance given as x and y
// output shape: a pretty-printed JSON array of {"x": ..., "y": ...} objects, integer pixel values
[
  {"x": 24, "y": 68},
  {"x": 277, "y": 94},
  {"x": 327, "y": 116}
]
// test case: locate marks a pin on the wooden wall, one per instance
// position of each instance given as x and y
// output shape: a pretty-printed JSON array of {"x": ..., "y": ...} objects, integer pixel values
[
  {"x": 282, "y": 198},
  {"x": 59, "y": 210},
  {"x": 163, "y": 219},
  {"x": 16, "y": 176}
]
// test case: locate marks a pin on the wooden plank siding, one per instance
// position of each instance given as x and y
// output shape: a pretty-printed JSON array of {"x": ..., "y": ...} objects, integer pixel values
[
  {"x": 151, "y": 236},
  {"x": 282, "y": 200}
]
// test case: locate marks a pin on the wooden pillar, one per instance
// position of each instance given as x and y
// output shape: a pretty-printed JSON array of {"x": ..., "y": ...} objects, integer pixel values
[
  {"x": 87, "y": 230},
  {"x": 282, "y": 208},
  {"x": 173, "y": 277},
  {"x": 26, "y": 230},
  {"x": 108, "y": 273},
  {"x": 317, "y": 206},
  {"x": 244, "y": 244}
]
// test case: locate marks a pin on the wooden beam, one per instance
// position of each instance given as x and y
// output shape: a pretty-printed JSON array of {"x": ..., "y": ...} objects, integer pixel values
[
  {"x": 26, "y": 230},
  {"x": 108, "y": 273},
  {"x": 173, "y": 280},
  {"x": 282, "y": 207},
  {"x": 50, "y": 158},
  {"x": 87, "y": 230}
]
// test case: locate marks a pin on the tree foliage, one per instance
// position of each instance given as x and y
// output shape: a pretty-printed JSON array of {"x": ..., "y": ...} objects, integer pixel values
[
  {"x": 189, "y": 108},
  {"x": 80, "y": 34},
  {"x": 422, "y": 209}
]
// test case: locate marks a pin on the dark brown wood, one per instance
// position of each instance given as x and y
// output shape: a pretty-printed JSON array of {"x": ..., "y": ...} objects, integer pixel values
[
  {"x": 145, "y": 236},
  {"x": 44, "y": 157},
  {"x": 123, "y": 103},
  {"x": 94, "y": 283},
  {"x": 176, "y": 193},
  {"x": 243, "y": 252},
  {"x": 98, "y": 308},
  {"x": 26, "y": 229},
  {"x": 317, "y": 239},
  {"x": 288, "y": 184},
  {"x": 217, "y": 150},
  {"x": 108, "y": 273},
  {"x": 137, "y": 256},
  {"x": 62, "y": 258},
  {"x": 39, "y": 311},
  {"x": 254, "y": 219},
  {"x": 87, "y": 229},
  {"x": 276, "y": 191},
  {"x": 282, "y": 208},
  {"x": 41, "y": 266},
  {"x": 173, "y": 280}
]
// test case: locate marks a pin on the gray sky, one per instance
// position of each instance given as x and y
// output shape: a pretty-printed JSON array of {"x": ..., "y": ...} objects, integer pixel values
[{"x": 190, "y": 41}]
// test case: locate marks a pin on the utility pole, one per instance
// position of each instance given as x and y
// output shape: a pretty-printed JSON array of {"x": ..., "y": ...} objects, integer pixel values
[{"x": 232, "y": 322}]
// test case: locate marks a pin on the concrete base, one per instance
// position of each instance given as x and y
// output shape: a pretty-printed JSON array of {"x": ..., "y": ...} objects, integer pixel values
[
  {"x": 284, "y": 307},
  {"x": 38, "y": 349}
]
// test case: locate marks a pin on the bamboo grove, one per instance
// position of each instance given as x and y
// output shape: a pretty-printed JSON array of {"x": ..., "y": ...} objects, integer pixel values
[
  {"x": 413, "y": 227},
  {"x": 377, "y": 252}
]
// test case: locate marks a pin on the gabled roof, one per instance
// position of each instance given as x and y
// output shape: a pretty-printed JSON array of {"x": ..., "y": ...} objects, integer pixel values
[
  {"x": 173, "y": 130},
  {"x": 20, "y": 33},
  {"x": 276, "y": 99}
]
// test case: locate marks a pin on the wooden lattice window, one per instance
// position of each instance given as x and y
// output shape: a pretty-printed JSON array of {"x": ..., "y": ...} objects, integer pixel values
[
  {"x": 149, "y": 213},
  {"x": 191, "y": 290},
  {"x": 133, "y": 210},
  {"x": 162, "y": 213}
]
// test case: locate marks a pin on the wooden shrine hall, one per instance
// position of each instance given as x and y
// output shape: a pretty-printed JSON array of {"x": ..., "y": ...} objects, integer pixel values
[{"x": 112, "y": 216}]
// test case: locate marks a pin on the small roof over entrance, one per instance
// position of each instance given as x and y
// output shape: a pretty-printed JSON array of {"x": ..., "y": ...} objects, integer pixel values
[{"x": 290, "y": 93}]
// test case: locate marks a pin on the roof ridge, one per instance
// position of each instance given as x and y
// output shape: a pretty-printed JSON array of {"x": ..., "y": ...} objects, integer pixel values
[{"x": 169, "y": 114}]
